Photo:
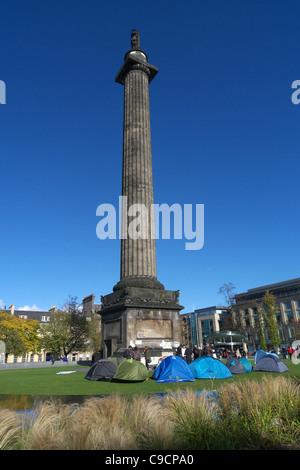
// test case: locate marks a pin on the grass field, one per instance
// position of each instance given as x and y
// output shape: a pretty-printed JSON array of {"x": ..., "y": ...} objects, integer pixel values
[{"x": 46, "y": 381}]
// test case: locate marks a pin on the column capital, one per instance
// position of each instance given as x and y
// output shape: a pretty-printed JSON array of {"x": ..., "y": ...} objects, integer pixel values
[{"x": 135, "y": 63}]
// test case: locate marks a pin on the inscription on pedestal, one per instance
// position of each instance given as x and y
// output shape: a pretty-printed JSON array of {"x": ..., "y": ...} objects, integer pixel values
[{"x": 154, "y": 329}]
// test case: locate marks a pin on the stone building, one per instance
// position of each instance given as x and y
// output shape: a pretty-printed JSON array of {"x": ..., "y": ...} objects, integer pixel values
[{"x": 287, "y": 294}]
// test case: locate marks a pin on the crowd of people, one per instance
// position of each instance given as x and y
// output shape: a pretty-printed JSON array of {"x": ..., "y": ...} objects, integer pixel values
[
  {"x": 185, "y": 352},
  {"x": 190, "y": 355}
]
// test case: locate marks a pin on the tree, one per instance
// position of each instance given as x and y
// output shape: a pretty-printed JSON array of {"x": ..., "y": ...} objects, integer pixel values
[
  {"x": 262, "y": 339},
  {"x": 268, "y": 309},
  {"x": 67, "y": 331},
  {"x": 20, "y": 335},
  {"x": 228, "y": 291},
  {"x": 185, "y": 330}
]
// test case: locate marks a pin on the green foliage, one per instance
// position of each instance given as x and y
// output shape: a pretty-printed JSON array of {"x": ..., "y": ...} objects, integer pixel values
[
  {"x": 67, "y": 331},
  {"x": 268, "y": 309},
  {"x": 20, "y": 335},
  {"x": 262, "y": 340}
]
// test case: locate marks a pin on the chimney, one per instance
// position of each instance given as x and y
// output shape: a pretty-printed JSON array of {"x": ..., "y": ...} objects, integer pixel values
[
  {"x": 12, "y": 309},
  {"x": 88, "y": 304}
]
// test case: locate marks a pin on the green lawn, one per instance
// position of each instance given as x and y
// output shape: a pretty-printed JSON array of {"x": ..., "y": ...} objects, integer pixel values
[{"x": 46, "y": 381}]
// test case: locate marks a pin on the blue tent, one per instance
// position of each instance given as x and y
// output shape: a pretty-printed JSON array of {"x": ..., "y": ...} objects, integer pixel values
[
  {"x": 235, "y": 366},
  {"x": 247, "y": 364},
  {"x": 239, "y": 366},
  {"x": 261, "y": 353},
  {"x": 209, "y": 368},
  {"x": 173, "y": 369}
]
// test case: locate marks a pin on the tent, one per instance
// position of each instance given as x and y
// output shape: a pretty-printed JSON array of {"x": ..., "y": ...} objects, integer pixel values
[
  {"x": 247, "y": 364},
  {"x": 235, "y": 366},
  {"x": 102, "y": 370},
  {"x": 239, "y": 366},
  {"x": 173, "y": 369},
  {"x": 270, "y": 363},
  {"x": 131, "y": 371},
  {"x": 209, "y": 368},
  {"x": 260, "y": 353}
]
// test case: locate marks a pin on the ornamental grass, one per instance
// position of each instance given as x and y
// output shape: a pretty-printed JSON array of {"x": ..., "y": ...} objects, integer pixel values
[{"x": 246, "y": 415}]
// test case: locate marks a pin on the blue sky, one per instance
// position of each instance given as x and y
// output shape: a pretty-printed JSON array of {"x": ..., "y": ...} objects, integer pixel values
[{"x": 225, "y": 134}]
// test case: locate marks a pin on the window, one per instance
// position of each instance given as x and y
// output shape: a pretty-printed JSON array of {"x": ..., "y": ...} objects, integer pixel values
[{"x": 288, "y": 309}]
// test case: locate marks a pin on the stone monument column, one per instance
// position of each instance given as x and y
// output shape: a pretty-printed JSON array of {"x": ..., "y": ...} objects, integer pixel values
[
  {"x": 138, "y": 254},
  {"x": 139, "y": 310}
]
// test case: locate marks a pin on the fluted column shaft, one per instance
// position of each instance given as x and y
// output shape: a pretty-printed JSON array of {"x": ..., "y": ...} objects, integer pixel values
[{"x": 138, "y": 256}]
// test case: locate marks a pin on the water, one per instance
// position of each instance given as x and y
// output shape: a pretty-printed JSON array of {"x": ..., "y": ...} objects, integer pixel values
[{"x": 30, "y": 402}]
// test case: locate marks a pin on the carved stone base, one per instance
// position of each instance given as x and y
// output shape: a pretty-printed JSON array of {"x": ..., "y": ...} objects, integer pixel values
[{"x": 140, "y": 316}]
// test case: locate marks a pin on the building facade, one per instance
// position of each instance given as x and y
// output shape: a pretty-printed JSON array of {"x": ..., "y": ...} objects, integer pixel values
[
  {"x": 205, "y": 321},
  {"x": 287, "y": 294}
]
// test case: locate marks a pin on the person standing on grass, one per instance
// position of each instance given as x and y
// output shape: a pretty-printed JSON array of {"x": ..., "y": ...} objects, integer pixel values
[
  {"x": 188, "y": 355},
  {"x": 179, "y": 351},
  {"x": 290, "y": 352},
  {"x": 136, "y": 355},
  {"x": 128, "y": 352},
  {"x": 196, "y": 352},
  {"x": 147, "y": 357}
]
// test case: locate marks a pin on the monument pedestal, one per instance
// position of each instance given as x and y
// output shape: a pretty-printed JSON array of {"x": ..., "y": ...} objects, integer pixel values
[{"x": 142, "y": 317}]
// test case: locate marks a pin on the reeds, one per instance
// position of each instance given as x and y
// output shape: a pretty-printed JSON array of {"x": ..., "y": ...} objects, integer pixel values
[{"x": 245, "y": 415}]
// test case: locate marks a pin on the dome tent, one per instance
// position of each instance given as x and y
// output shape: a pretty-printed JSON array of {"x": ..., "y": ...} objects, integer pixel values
[
  {"x": 209, "y": 368},
  {"x": 247, "y": 364},
  {"x": 131, "y": 371},
  {"x": 235, "y": 366},
  {"x": 102, "y": 370},
  {"x": 173, "y": 369},
  {"x": 270, "y": 363},
  {"x": 260, "y": 353}
]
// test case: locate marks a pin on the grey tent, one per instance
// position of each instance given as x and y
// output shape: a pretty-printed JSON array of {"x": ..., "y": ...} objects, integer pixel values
[
  {"x": 235, "y": 366},
  {"x": 102, "y": 370},
  {"x": 270, "y": 363}
]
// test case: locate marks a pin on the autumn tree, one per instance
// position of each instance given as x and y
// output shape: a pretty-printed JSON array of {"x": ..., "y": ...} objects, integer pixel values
[{"x": 20, "y": 335}]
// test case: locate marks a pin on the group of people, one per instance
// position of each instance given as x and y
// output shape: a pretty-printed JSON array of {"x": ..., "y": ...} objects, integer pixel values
[
  {"x": 289, "y": 352},
  {"x": 134, "y": 353},
  {"x": 190, "y": 355}
]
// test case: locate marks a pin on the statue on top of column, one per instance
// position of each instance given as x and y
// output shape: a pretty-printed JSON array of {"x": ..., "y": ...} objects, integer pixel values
[{"x": 135, "y": 39}]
